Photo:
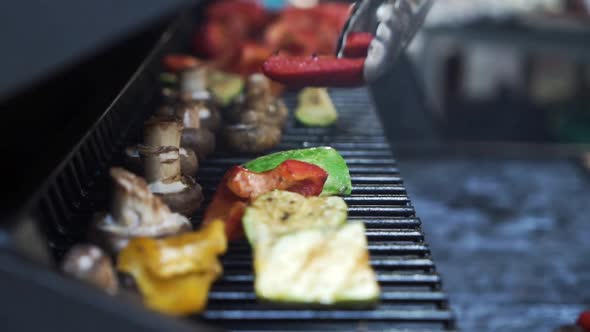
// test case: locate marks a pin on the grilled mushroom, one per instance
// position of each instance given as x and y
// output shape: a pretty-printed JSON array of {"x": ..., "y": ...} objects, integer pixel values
[
  {"x": 163, "y": 131},
  {"x": 134, "y": 212},
  {"x": 200, "y": 140},
  {"x": 252, "y": 138},
  {"x": 189, "y": 163},
  {"x": 166, "y": 111},
  {"x": 259, "y": 99},
  {"x": 162, "y": 170},
  {"x": 195, "y": 97},
  {"x": 89, "y": 263}
]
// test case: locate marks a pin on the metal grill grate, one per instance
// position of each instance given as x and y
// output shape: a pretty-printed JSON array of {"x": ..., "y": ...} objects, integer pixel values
[{"x": 411, "y": 290}]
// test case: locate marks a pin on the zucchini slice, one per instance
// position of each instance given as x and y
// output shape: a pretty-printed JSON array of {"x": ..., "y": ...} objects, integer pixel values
[
  {"x": 280, "y": 212},
  {"x": 315, "y": 108},
  {"x": 317, "y": 266}
]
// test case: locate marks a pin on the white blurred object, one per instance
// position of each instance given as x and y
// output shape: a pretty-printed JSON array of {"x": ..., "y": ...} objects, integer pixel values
[
  {"x": 303, "y": 3},
  {"x": 488, "y": 69},
  {"x": 463, "y": 11}
]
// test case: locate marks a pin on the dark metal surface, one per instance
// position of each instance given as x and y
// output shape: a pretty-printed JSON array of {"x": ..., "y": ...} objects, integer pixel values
[
  {"x": 509, "y": 236},
  {"x": 412, "y": 298},
  {"x": 40, "y": 38}
]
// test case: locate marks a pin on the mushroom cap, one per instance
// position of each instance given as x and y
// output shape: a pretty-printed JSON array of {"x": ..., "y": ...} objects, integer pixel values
[
  {"x": 139, "y": 211},
  {"x": 112, "y": 237},
  {"x": 189, "y": 163},
  {"x": 90, "y": 264},
  {"x": 200, "y": 140},
  {"x": 252, "y": 138},
  {"x": 187, "y": 201}
]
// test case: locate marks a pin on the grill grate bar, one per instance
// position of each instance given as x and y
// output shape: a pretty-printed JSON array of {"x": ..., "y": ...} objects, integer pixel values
[{"x": 343, "y": 315}]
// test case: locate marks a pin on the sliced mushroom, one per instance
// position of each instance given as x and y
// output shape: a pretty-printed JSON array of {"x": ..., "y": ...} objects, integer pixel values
[
  {"x": 134, "y": 212},
  {"x": 162, "y": 171},
  {"x": 252, "y": 138},
  {"x": 90, "y": 264}
]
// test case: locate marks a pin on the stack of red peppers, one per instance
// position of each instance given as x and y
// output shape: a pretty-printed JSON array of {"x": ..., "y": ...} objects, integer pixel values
[{"x": 241, "y": 35}]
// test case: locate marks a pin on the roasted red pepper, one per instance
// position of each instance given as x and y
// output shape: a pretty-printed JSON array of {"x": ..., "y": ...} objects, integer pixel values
[
  {"x": 240, "y": 185},
  {"x": 178, "y": 62},
  {"x": 249, "y": 13},
  {"x": 584, "y": 320},
  {"x": 315, "y": 70},
  {"x": 252, "y": 56},
  {"x": 357, "y": 44},
  {"x": 215, "y": 39}
]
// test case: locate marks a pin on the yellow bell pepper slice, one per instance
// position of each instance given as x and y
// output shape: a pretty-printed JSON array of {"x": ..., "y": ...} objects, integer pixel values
[{"x": 174, "y": 274}]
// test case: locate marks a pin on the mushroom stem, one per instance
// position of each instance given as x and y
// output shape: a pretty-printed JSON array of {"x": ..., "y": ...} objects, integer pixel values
[
  {"x": 193, "y": 83},
  {"x": 162, "y": 132},
  {"x": 190, "y": 115},
  {"x": 162, "y": 163}
]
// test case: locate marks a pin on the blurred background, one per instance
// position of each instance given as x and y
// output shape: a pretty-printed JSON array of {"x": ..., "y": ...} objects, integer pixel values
[{"x": 488, "y": 114}]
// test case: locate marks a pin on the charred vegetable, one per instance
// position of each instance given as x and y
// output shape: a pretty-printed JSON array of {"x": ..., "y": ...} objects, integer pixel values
[
  {"x": 162, "y": 170},
  {"x": 225, "y": 87},
  {"x": 338, "y": 183},
  {"x": 90, "y": 264},
  {"x": 281, "y": 212},
  {"x": 240, "y": 185},
  {"x": 317, "y": 266},
  {"x": 246, "y": 138},
  {"x": 315, "y": 108},
  {"x": 174, "y": 274},
  {"x": 317, "y": 71},
  {"x": 135, "y": 212},
  {"x": 259, "y": 99},
  {"x": 258, "y": 118}
]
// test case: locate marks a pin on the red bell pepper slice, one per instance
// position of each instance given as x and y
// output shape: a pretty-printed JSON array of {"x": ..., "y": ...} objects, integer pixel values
[
  {"x": 584, "y": 320},
  {"x": 251, "y": 58},
  {"x": 215, "y": 39},
  {"x": 357, "y": 44},
  {"x": 178, "y": 62},
  {"x": 319, "y": 71},
  {"x": 240, "y": 185},
  {"x": 251, "y": 12}
]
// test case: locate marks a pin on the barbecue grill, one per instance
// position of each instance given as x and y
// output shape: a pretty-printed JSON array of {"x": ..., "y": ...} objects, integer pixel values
[{"x": 412, "y": 298}]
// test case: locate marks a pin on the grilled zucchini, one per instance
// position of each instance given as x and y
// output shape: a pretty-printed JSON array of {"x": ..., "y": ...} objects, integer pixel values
[
  {"x": 324, "y": 266},
  {"x": 282, "y": 212}
]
